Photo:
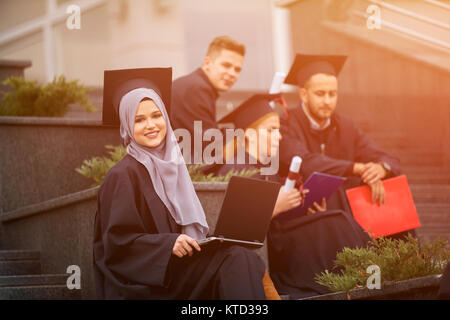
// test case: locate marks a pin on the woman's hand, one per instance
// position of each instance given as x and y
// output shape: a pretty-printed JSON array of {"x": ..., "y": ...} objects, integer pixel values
[
  {"x": 184, "y": 245},
  {"x": 288, "y": 200},
  {"x": 316, "y": 207}
]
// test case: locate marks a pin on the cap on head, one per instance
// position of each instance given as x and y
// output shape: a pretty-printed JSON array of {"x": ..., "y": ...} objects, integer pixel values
[
  {"x": 254, "y": 108},
  {"x": 118, "y": 82},
  {"x": 305, "y": 66}
]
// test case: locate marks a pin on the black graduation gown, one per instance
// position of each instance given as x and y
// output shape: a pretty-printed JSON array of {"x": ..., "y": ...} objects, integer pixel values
[
  {"x": 133, "y": 241},
  {"x": 301, "y": 247},
  {"x": 332, "y": 151},
  {"x": 193, "y": 99},
  {"x": 343, "y": 144}
]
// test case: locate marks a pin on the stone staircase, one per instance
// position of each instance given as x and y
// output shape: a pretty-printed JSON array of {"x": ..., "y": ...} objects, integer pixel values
[
  {"x": 417, "y": 29},
  {"x": 429, "y": 182},
  {"x": 21, "y": 278}
]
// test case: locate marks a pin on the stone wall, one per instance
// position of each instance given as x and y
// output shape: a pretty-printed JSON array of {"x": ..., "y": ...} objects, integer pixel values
[
  {"x": 39, "y": 157},
  {"x": 62, "y": 230}
]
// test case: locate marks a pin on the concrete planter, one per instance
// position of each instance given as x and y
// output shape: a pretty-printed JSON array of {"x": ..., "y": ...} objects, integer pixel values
[
  {"x": 62, "y": 229},
  {"x": 39, "y": 157},
  {"x": 424, "y": 288}
]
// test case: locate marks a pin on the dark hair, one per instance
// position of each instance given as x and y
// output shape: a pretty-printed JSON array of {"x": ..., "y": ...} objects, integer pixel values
[{"x": 225, "y": 42}]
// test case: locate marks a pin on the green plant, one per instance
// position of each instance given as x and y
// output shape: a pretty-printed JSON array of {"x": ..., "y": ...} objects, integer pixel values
[
  {"x": 397, "y": 259},
  {"x": 96, "y": 168},
  {"x": 198, "y": 176},
  {"x": 50, "y": 100}
]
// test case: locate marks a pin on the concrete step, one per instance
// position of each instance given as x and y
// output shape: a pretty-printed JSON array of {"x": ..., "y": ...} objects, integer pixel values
[
  {"x": 33, "y": 280},
  {"x": 19, "y": 262},
  {"x": 433, "y": 208},
  {"x": 45, "y": 292},
  {"x": 10, "y": 255},
  {"x": 418, "y": 158},
  {"x": 435, "y": 220},
  {"x": 20, "y": 267},
  {"x": 431, "y": 193},
  {"x": 426, "y": 169},
  {"x": 429, "y": 178}
]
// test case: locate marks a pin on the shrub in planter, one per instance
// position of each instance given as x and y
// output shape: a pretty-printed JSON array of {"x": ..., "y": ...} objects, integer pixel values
[
  {"x": 397, "y": 260},
  {"x": 96, "y": 168},
  {"x": 28, "y": 98}
]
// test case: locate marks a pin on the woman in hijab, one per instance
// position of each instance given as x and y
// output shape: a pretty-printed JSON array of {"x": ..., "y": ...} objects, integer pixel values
[{"x": 149, "y": 216}]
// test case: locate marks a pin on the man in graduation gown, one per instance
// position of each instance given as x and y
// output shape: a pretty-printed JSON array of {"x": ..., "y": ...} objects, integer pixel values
[
  {"x": 194, "y": 96},
  {"x": 299, "y": 247},
  {"x": 327, "y": 141}
]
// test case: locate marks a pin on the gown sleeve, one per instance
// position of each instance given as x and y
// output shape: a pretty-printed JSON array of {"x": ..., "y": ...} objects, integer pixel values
[
  {"x": 291, "y": 146},
  {"x": 367, "y": 151},
  {"x": 132, "y": 250}
]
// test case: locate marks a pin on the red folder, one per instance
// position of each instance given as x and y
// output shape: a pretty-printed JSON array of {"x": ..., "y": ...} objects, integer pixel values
[{"x": 397, "y": 214}]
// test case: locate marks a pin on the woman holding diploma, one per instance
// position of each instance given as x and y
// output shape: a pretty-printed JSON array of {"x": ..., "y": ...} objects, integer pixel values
[{"x": 298, "y": 246}]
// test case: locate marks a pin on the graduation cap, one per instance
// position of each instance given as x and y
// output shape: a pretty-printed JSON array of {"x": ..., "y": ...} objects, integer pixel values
[
  {"x": 118, "y": 82},
  {"x": 251, "y": 110},
  {"x": 305, "y": 66}
]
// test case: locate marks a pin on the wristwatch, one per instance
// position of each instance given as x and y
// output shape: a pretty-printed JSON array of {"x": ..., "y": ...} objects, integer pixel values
[{"x": 386, "y": 166}]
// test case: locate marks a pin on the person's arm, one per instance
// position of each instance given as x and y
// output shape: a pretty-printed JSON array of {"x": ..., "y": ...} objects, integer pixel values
[
  {"x": 288, "y": 200},
  {"x": 291, "y": 146},
  {"x": 129, "y": 249},
  {"x": 368, "y": 152}
]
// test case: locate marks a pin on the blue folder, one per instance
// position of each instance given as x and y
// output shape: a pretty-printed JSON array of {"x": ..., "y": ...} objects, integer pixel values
[{"x": 320, "y": 185}]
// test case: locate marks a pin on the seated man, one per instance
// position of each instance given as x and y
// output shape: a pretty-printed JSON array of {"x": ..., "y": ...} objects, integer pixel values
[
  {"x": 194, "y": 95},
  {"x": 327, "y": 141},
  {"x": 299, "y": 247}
]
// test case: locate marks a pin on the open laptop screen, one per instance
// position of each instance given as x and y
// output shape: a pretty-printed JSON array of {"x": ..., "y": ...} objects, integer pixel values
[{"x": 247, "y": 209}]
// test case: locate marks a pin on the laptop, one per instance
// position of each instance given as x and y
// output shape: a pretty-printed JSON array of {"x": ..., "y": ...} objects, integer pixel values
[{"x": 246, "y": 212}]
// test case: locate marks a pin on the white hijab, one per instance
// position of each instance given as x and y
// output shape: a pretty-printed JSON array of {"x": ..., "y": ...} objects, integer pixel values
[{"x": 165, "y": 165}]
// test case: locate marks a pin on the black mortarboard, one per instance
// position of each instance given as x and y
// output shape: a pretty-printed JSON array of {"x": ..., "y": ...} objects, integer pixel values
[
  {"x": 118, "y": 82},
  {"x": 305, "y": 66},
  {"x": 250, "y": 110}
]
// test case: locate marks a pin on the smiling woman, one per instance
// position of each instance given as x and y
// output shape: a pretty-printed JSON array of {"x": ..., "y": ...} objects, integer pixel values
[
  {"x": 149, "y": 126},
  {"x": 149, "y": 217}
]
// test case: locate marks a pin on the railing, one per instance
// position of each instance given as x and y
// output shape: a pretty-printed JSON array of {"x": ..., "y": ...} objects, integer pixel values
[
  {"x": 411, "y": 14},
  {"x": 55, "y": 14},
  {"x": 410, "y": 33},
  {"x": 414, "y": 34},
  {"x": 438, "y": 4}
]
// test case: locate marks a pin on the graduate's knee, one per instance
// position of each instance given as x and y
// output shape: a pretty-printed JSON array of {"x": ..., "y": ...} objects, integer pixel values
[{"x": 242, "y": 257}]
